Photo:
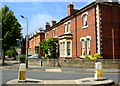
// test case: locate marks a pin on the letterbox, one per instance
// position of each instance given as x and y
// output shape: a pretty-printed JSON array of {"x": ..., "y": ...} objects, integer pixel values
[
  {"x": 22, "y": 72},
  {"x": 98, "y": 71}
]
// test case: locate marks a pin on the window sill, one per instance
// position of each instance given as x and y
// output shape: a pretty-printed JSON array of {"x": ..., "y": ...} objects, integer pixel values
[
  {"x": 67, "y": 32},
  {"x": 82, "y": 56},
  {"x": 84, "y": 27},
  {"x": 66, "y": 56}
]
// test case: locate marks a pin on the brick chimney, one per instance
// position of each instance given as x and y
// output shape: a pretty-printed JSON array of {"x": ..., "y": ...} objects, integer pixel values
[
  {"x": 53, "y": 22},
  {"x": 70, "y": 9},
  {"x": 47, "y": 26}
]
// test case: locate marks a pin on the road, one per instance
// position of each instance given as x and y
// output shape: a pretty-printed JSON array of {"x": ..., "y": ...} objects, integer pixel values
[{"x": 13, "y": 74}]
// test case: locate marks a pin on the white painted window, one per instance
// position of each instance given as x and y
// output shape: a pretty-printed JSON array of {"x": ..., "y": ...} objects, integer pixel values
[
  {"x": 88, "y": 46},
  {"x": 46, "y": 35},
  {"x": 85, "y": 20},
  {"x": 63, "y": 48},
  {"x": 68, "y": 49},
  {"x": 68, "y": 26},
  {"x": 83, "y": 47},
  {"x": 65, "y": 28},
  {"x": 54, "y": 33}
]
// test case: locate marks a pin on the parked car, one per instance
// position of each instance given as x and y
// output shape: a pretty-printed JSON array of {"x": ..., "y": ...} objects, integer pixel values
[{"x": 35, "y": 56}]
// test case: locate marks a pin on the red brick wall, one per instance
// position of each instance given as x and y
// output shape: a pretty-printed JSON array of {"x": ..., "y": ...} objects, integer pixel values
[
  {"x": 89, "y": 31},
  {"x": 110, "y": 31},
  {"x": 34, "y": 41},
  {"x": 110, "y": 38},
  {"x": 78, "y": 32}
]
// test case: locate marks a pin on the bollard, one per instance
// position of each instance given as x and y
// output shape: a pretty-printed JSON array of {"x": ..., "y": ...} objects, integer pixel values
[
  {"x": 22, "y": 73},
  {"x": 98, "y": 71}
]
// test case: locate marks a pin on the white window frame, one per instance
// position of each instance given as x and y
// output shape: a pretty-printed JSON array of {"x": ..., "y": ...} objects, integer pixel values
[
  {"x": 46, "y": 35},
  {"x": 82, "y": 40},
  {"x": 54, "y": 32},
  {"x": 68, "y": 48},
  {"x": 65, "y": 28},
  {"x": 64, "y": 49},
  {"x": 84, "y": 20},
  {"x": 69, "y": 26},
  {"x": 63, "y": 54},
  {"x": 88, "y": 44}
]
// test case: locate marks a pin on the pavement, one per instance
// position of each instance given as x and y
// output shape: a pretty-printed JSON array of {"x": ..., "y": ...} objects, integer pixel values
[
  {"x": 13, "y": 65},
  {"x": 90, "y": 81},
  {"x": 60, "y": 69}
]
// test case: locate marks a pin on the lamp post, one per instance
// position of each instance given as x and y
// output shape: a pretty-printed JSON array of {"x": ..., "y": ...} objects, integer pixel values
[{"x": 26, "y": 42}]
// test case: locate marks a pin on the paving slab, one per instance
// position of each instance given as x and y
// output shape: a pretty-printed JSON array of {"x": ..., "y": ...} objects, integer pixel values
[
  {"x": 60, "y": 82},
  {"x": 28, "y": 81},
  {"x": 92, "y": 82}
]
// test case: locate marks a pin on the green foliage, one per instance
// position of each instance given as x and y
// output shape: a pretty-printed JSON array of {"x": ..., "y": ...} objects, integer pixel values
[
  {"x": 97, "y": 56},
  {"x": 11, "y": 29},
  {"x": 88, "y": 57},
  {"x": 10, "y": 53},
  {"x": 22, "y": 58},
  {"x": 94, "y": 57},
  {"x": 49, "y": 47}
]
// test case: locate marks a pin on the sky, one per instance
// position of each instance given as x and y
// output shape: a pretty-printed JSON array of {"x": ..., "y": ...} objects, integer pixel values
[{"x": 40, "y": 12}]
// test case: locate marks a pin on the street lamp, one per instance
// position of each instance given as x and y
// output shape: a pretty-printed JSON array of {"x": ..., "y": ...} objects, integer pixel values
[{"x": 26, "y": 42}]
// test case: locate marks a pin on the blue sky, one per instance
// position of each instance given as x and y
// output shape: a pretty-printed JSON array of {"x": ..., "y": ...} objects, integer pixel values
[{"x": 40, "y": 12}]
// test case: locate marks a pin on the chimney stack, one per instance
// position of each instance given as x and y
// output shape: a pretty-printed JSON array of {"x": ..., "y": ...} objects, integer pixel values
[
  {"x": 47, "y": 26},
  {"x": 70, "y": 9},
  {"x": 53, "y": 22}
]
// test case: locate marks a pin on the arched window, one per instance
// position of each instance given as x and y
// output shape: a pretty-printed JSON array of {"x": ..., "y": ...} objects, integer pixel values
[
  {"x": 68, "y": 26},
  {"x": 65, "y": 28}
]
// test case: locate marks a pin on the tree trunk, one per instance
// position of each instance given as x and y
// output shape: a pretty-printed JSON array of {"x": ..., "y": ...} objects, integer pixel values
[
  {"x": 3, "y": 58},
  {"x": 14, "y": 57},
  {"x": 54, "y": 62}
]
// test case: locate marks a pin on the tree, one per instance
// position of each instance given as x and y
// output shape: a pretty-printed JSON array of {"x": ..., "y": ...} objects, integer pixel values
[
  {"x": 0, "y": 33},
  {"x": 49, "y": 47},
  {"x": 11, "y": 30}
]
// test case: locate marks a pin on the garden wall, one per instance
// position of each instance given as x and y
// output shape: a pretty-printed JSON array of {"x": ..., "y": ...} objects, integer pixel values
[{"x": 109, "y": 63}]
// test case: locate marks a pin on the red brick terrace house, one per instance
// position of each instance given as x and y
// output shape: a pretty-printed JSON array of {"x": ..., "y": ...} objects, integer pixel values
[
  {"x": 34, "y": 41},
  {"x": 92, "y": 29}
]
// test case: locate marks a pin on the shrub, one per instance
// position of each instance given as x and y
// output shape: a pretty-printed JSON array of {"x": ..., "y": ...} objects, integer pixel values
[
  {"x": 88, "y": 57},
  {"x": 94, "y": 57},
  {"x": 97, "y": 56},
  {"x": 22, "y": 58},
  {"x": 10, "y": 53}
]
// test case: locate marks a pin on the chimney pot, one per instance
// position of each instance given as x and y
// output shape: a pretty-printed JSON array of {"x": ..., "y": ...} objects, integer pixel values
[
  {"x": 47, "y": 26},
  {"x": 70, "y": 9},
  {"x": 53, "y": 22}
]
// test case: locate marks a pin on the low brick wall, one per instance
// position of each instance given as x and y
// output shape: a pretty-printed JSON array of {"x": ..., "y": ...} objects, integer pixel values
[
  {"x": 74, "y": 63},
  {"x": 33, "y": 62}
]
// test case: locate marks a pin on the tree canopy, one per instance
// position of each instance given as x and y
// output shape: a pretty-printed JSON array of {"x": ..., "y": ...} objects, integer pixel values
[
  {"x": 11, "y": 29},
  {"x": 49, "y": 47}
]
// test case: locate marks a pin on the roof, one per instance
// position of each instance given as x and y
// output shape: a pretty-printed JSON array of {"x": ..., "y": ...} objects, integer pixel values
[{"x": 81, "y": 10}]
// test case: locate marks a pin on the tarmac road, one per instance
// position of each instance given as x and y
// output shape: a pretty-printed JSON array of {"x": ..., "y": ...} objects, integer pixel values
[{"x": 13, "y": 74}]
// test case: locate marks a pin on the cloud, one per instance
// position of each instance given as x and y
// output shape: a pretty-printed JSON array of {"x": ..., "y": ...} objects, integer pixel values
[
  {"x": 38, "y": 21},
  {"x": 24, "y": 26}
]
